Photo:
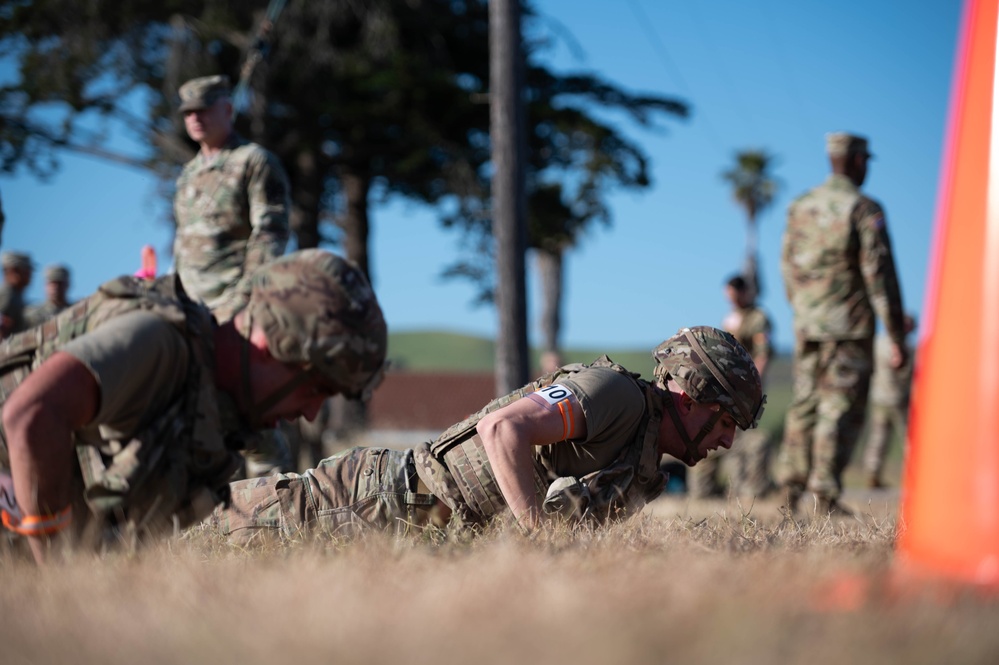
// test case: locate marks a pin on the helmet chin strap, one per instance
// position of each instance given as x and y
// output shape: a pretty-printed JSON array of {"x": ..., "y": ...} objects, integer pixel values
[
  {"x": 258, "y": 409},
  {"x": 691, "y": 444}
]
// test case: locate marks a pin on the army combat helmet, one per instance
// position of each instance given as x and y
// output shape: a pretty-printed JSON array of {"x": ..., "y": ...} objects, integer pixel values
[
  {"x": 317, "y": 309},
  {"x": 711, "y": 366}
]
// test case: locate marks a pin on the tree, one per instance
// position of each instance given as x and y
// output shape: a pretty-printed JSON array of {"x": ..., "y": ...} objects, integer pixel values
[
  {"x": 358, "y": 99},
  {"x": 574, "y": 159},
  {"x": 355, "y": 97},
  {"x": 753, "y": 189}
]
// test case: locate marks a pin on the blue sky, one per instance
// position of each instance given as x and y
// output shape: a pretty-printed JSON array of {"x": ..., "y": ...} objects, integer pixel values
[{"x": 771, "y": 74}]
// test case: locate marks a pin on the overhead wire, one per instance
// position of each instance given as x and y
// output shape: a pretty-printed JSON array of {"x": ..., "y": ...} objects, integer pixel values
[{"x": 659, "y": 47}]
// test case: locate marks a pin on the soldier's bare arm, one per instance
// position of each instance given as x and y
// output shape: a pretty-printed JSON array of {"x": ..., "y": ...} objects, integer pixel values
[
  {"x": 39, "y": 419},
  {"x": 510, "y": 435}
]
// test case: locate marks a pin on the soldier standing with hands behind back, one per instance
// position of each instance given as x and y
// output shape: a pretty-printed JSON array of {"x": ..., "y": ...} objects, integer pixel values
[
  {"x": 231, "y": 209},
  {"x": 839, "y": 273}
]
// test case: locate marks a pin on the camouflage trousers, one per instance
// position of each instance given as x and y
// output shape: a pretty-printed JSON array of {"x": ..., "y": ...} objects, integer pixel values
[
  {"x": 361, "y": 488},
  {"x": 826, "y": 414},
  {"x": 746, "y": 465},
  {"x": 883, "y": 421}
]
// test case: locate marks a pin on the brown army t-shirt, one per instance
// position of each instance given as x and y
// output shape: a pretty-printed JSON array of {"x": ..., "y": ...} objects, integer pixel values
[
  {"x": 140, "y": 363},
  {"x": 612, "y": 405}
]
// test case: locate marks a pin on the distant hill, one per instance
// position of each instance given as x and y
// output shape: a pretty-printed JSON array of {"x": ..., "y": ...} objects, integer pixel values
[{"x": 437, "y": 351}]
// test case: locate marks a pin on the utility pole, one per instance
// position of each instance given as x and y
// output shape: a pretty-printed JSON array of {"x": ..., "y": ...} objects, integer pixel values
[{"x": 507, "y": 131}]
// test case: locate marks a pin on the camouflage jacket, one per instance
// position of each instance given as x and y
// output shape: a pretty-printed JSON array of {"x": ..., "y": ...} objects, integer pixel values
[
  {"x": 752, "y": 329},
  {"x": 890, "y": 386},
  {"x": 232, "y": 217},
  {"x": 457, "y": 470},
  {"x": 837, "y": 265},
  {"x": 12, "y": 308},
  {"x": 178, "y": 467},
  {"x": 37, "y": 314}
]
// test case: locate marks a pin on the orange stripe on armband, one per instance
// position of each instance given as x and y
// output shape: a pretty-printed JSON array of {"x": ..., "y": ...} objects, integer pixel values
[{"x": 38, "y": 525}]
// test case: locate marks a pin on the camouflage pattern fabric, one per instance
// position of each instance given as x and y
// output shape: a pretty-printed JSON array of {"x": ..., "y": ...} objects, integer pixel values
[
  {"x": 457, "y": 469},
  {"x": 883, "y": 424},
  {"x": 711, "y": 366},
  {"x": 746, "y": 464},
  {"x": 887, "y": 412},
  {"x": 367, "y": 488},
  {"x": 232, "y": 217},
  {"x": 826, "y": 414},
  {"x": 178, "y": 467},
  {"x": 837, "y": 265},
  {"x": 40, "y": 313},
  {"x": 361, "y": 488},
  {"x": 12, "y": 308},
  {"x": 839, "y": 273},
  {"x": 291, "y": 299}
]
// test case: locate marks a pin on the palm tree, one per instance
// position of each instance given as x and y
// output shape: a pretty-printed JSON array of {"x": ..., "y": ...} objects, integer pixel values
[{"x": 753, "y": 189}]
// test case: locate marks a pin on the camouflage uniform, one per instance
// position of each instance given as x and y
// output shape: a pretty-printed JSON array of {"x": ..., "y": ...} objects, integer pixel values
[
  {"x": 609, "y": 475},
  {"x": 838, "y": 272},
  {"x": 232, "y": 217},
  {"x": 176, "y": 464},
  {"x": 12, "y": 299},
  {"x": 887, "y": 410},
  {"x": 37, "y": 314},
  {"x": 318, "y": 314},
  {"x": 747, "y": 461}
]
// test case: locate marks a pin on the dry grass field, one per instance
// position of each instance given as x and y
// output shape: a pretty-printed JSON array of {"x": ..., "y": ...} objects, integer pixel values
[{"x": 708, "y": 582}]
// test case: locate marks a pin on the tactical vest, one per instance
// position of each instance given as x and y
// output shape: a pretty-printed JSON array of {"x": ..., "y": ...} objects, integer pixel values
[
  {"x": 462, "y": 476},
  {"x": 173, "y": 472}
]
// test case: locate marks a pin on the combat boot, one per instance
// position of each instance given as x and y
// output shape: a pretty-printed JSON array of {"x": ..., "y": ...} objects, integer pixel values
[
  {"x": 829, "y": 507},
  {"x": 791, "y": 496},
  {"x": 873, "y": 482}
]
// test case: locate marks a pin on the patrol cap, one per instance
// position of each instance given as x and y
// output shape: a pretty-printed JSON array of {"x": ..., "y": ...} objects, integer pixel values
[
  {"x": 200, "y": 93},
  {"x": 16, "y": 260},
  {"x": 56, "y": 273},
  {"x": 841, "y": 144}
]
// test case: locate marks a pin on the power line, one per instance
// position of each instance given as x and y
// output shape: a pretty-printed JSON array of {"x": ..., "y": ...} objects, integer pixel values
[{"x": 659, "y": 46}]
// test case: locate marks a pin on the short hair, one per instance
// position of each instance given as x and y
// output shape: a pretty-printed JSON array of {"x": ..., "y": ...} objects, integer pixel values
[{"x": 737, "y": 282}]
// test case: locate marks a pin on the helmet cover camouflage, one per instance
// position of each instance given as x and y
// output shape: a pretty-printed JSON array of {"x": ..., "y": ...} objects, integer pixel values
[
  {"x": 317, "y": 308},
  {"x": 711, "y": 366}
]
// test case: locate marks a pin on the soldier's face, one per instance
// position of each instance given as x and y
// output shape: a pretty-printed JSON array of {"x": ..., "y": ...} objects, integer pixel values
[
  {"x": 694, "y": 416},
  {"x": 210, "y": 125},
  {"x": 305, "y": 401},
  {"x": 56, "y": 291}
]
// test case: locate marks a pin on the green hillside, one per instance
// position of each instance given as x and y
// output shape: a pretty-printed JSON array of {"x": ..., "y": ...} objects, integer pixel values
[
  {"x": 434, "y": 351},
  {"x": 431, "y": 351}
]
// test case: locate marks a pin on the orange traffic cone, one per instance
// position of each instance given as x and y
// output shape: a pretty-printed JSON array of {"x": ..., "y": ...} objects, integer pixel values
[{"x": 950, "y": 501}]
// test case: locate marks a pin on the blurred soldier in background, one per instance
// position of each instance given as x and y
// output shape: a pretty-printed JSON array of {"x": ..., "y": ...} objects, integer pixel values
[
  {"x": 17, "y": 271},
  {"x": 56, "y": 288},
  {"x": 581, "y": 443},
  {"x": 888, "y": 410},
  {"x": 231, "y": 209},
  {"x": 124, "y": 417},
  {"x": 747, "y": 463},
  {"x": 839, "y": 273}
]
